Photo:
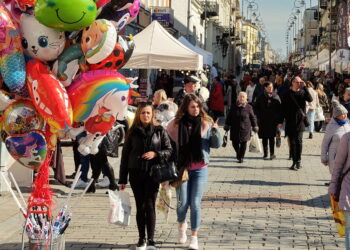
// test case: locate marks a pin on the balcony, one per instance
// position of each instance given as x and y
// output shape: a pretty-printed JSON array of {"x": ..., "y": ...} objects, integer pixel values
[
  {"x": 210, "y": 7},
  {"x": 323, "y": 4}
]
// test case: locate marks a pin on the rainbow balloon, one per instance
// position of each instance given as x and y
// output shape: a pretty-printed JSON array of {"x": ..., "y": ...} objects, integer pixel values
[{"x": 97, "y": 89}]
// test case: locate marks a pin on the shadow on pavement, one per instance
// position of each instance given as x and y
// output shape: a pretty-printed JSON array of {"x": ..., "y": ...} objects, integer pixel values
[
  {"x": 71, "y": 245},
  {"x": 268, "y": 183}
]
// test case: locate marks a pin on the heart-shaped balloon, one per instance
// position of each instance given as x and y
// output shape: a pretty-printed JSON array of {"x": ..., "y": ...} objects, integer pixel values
[{"x": 28, "y": 149}]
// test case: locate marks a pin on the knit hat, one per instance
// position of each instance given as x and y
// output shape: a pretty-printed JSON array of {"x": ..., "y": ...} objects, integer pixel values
[{"x": 338, "y": 109}]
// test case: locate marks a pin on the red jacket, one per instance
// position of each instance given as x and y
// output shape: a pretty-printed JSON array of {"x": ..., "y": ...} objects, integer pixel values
[{"x": 216, "y": 102}]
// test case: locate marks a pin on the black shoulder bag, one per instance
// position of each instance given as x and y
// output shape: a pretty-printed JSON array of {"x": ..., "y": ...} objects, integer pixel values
[
  {"x": 339, "y": 182},
  {"x": 305, "y": 120}
]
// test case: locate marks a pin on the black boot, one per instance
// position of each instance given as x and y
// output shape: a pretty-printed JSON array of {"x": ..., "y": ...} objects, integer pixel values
[
  {"x": 110, "y": 174},
  {"x": 298, "y": 165},
  {"x": 293, "y": 167},
  {"x": 310, "y": 135},
  {"x": 92, "y": 188}
]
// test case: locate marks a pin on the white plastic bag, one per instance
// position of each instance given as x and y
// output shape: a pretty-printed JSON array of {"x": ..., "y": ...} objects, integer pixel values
[
  {"x": 120, "y": 210},
  {"x": 255, "y": 146}
]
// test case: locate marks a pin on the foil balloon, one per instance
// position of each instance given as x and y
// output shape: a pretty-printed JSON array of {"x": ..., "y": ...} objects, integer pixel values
[
  {"x": 119, "y": 57},
  {"x": 39, "y": 41},
  {"x": 24, "y": 5},
  {"x": 98, "y": 41},
  {"x": 68, "y": 63},
  {"x": 21, "y": 117},
  {"x": 66, "y": 15},
  {"x": 12, "y": 64},
  {"x": 28, "y": 149},
  {"x": 98, "y": 99},
  {"x": 49, "y": 96}
]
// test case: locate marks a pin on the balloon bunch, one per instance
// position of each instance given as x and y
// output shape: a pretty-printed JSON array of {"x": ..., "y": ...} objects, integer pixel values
[{"x": 59, "y": 62}]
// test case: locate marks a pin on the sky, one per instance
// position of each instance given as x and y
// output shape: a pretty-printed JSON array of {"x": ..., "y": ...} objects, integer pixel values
[{"x": 275, "y": 14}]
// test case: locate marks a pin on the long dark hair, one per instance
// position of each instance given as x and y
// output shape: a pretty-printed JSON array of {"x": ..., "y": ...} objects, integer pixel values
[
  {"x": 137, "y": 121},
  {"x": 183, "y": 109}
]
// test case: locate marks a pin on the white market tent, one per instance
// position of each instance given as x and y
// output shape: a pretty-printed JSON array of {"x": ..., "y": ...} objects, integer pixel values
[
  {"x": 155, "y": 48},
  {"x": 207, "y": 56}
]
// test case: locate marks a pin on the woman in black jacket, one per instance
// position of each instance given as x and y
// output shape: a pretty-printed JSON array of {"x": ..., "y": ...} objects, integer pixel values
[
  {"x": 146, "y": 145},
  {"x": 240, "y": 121},
  {"x": 268, "y": 111}
]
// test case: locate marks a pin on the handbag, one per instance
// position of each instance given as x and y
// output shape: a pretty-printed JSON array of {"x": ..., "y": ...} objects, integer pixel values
[
  {"x": 182, "y": 178},
  {"x": 164, "y": 172},
  {"x": 224, "y": 140},
  {"x": 339, "y": 182},
  {"x": 305, "y": 120}
]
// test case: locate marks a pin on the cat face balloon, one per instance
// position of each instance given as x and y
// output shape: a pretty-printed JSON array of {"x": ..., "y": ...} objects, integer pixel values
[{"x": 39, "y": 41}]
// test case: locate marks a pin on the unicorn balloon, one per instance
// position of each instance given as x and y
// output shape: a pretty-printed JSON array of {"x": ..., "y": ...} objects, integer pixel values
[{"x": 99, "y": 98}]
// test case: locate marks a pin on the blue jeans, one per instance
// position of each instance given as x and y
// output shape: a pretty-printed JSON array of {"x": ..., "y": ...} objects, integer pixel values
[
  {"x": 190, "y": 194},
  {"x": 311, "y": 117},
  {"x": 347, "y": 230}
]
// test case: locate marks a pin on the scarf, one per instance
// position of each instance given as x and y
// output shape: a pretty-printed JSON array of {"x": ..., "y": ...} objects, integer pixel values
[
  {"x": 341, "y": 122},
  {"x": 190, "y": 140}
]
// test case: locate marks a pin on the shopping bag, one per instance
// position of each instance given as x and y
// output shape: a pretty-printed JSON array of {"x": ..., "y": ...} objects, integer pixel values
[
  {"x": 255, "y": 146},
  {"x": 120, "y": 210},
  {"x": 338, "y": 216},
  {"x": 164, "y": 199},
  {"x": 319, "y": 115}
]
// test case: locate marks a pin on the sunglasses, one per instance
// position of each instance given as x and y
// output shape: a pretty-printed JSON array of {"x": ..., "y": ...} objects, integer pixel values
[{"x": 143, "y": 103}]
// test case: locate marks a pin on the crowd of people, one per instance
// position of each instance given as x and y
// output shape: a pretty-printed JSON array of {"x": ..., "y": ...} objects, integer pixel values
[{"x": 268, "y": 103}]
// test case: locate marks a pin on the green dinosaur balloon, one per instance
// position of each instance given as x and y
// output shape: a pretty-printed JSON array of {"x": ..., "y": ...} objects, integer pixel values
[{"x": 66, "y": 15}]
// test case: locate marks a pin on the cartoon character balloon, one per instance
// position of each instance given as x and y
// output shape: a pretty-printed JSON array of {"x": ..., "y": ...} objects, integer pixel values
[
  {"x": 98, "y": 99},
  {"x": 66, "y": 15},
  {"x": 119, "y": 57},
  {"x": 21, "y": 117},
  {"x": 39, "y": 41},
  {"x": 98, "y": 40},
  {"x": 12, "y": 64}
]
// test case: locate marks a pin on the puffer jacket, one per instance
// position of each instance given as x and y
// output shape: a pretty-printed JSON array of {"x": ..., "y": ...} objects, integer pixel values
[
  {"x": 331, "y": 140},
  {"x": 341, "y": 165},
  {"x": 138, "y": 143}
]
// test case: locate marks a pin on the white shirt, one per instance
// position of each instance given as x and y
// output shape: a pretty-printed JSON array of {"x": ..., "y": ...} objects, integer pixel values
[{"x": 250, "y": 92}]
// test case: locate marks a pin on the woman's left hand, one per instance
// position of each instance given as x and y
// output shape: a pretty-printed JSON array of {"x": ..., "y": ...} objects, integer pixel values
[
  {"x": 149, "y": 155},
  {"x": 216, "y": 124}
]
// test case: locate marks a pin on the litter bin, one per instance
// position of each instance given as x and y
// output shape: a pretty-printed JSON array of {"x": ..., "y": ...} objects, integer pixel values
[{"x": 45, "y": 244}]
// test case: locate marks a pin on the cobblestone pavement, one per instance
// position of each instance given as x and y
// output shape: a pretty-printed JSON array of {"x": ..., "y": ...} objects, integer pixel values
[{"x": 259, "y": 204}]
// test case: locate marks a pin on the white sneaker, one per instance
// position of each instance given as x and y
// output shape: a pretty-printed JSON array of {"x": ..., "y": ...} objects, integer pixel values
[
  {"x": 81, "y": 184},
  {"x": 104, "y": 183},
  {"x": 182, "y": 237},
  {"x": 193, "y": 243},
  {"x": 141, "y": 247}
]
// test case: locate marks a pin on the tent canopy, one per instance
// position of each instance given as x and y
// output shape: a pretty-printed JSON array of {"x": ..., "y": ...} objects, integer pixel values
[
  {"x": 155, "y": 48},
  {"x": 207, "y": 56}
]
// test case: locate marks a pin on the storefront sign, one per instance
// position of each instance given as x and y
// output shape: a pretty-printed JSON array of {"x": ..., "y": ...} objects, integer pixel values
[
  {"x": 342, "y": 26},
  {"x": 165, "y": 16}
]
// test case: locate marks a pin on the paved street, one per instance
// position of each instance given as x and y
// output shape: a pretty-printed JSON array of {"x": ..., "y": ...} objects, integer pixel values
[{"x": 256, "y": 205}]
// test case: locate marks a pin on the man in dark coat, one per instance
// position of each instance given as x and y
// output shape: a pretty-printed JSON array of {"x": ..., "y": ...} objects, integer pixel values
[
  {"x": 190, "y": 83},
  {"x": 259, "y": 89},
  {"x": 268, "y": 111},
  {"x": 294, "y": 113}
]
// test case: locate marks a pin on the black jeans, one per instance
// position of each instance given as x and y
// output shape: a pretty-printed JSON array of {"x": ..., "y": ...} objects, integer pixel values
[
  {"x": 318, "y": 126},
  {"x": 99, "y": 162},
  {"x": 145, "y": 191},
  {"x": 296, "y": 146},
  {"x": 271, "y": 142},
  {"x": 240, "y": 148}
]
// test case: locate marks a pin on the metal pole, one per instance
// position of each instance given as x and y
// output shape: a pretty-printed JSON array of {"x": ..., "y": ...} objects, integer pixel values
[
  {"x": 330, "y": 38},
  {"x": 318, "y": 31},
  {"x": 188, "y": 18},
  {"x": 205, "y": 24}
]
